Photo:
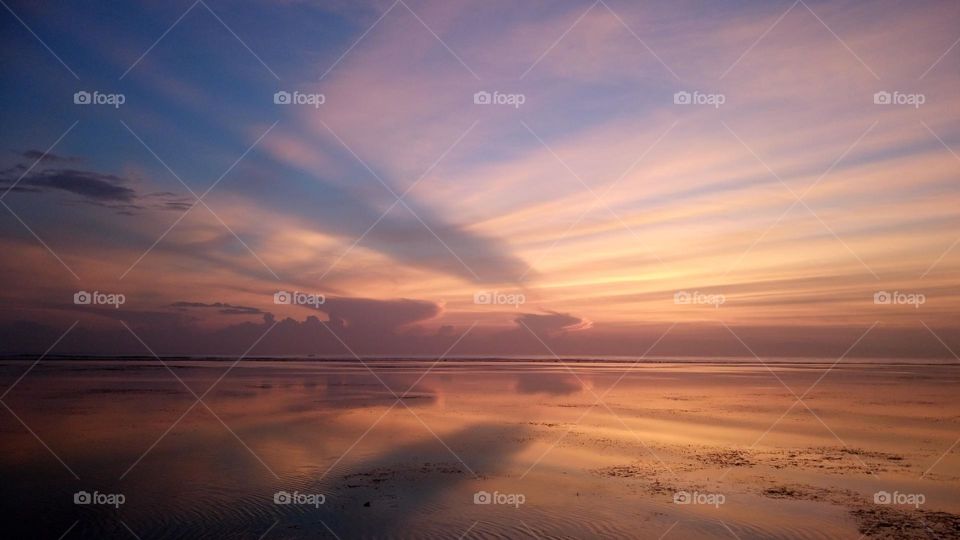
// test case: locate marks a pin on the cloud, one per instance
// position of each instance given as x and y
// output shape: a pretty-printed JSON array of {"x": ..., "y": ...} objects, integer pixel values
[
  {"x": 95, "y": 188},
  {"x": 87, "y": 184},
  {"x": 378, "y": 315},
  {"x": 223, "y": 308},
  {"x": 552, "y": 323}
]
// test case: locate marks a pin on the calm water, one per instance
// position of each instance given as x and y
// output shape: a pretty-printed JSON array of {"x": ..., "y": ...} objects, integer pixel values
[{"x": 592, "y": 451}]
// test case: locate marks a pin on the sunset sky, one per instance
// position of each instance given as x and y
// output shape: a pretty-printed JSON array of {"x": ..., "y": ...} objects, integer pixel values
[{"x": 400, "y": 199}]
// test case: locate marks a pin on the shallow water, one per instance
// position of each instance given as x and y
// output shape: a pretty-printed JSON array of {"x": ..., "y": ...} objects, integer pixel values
[{"x": 590, "y": 450}]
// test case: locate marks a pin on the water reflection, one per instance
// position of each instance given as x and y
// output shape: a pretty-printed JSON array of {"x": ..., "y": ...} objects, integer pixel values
[{"x": 410, "y": 468}]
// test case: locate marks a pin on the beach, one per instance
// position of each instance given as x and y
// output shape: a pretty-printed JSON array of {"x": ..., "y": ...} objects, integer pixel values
[{"x": 393, "y": 449}]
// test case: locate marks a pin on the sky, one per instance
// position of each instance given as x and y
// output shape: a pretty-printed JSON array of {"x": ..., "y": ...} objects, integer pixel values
[{"x": 708, "y": 179}]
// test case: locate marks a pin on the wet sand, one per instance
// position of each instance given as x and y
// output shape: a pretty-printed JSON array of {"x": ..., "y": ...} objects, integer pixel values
[{"x": 481, "y": 450}]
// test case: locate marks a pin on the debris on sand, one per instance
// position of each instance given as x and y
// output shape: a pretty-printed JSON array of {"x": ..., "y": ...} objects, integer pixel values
[
  {"x": 727, "y": 458},
  {"x": 884, "y": 522}
]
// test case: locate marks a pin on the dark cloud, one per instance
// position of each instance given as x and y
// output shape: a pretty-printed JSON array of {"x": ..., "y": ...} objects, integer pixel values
[
  {"x": 175, "y": 333},
  {"x": 94, "y": 188},
  {"x": 551, "y": 323},
  {"x": 226, "y": 309},
  {"x": 91, "y": 185},
  {"x": 382, "y": 315}
]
